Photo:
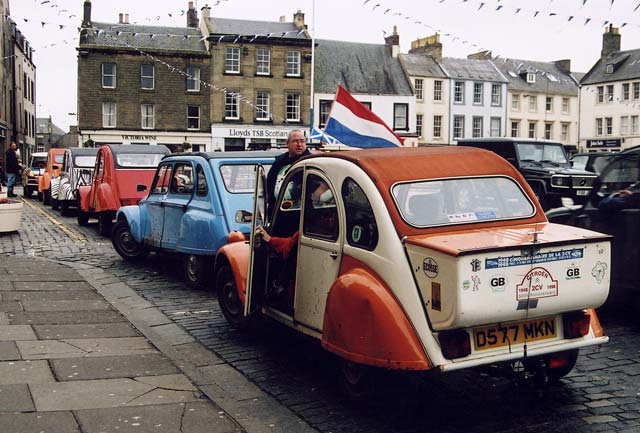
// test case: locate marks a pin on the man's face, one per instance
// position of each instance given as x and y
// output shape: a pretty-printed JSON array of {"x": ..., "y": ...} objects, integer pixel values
[
  {"x": 296, "y": 144},
  {"x": 13, "y": 146}
]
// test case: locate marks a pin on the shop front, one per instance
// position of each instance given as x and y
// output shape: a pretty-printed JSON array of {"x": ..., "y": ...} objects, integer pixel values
[
  {"x": 176, "y": 141},
  {"x": 250, "y": 137}
]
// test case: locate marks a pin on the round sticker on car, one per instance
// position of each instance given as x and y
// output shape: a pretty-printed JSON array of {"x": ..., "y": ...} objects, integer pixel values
[{"x": 356, "y": 233}]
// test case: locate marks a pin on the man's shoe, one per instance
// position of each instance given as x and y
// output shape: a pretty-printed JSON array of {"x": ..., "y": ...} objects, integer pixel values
[{"x": 10, "y": 194}]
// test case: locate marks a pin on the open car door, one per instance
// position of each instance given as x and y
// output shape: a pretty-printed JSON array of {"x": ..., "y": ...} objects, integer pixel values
[{"x": 256, "y": 276}]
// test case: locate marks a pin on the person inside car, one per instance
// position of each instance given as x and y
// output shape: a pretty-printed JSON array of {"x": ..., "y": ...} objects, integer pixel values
[{"x": 628, "y": 198}]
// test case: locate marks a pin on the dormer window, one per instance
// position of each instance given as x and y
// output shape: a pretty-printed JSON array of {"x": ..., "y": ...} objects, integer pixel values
[
  {"x": 609, "y": 69},
  {"x": 531, "y": 77}
]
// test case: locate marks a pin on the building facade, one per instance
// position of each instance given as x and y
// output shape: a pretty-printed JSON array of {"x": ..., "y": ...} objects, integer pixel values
[
  {"x": 477, "y": 94},
  {"x": 377, "y": 81},
  {"x": 261, "y": 72},
  {"x": 610, "y": 98},
  {"x": 143, "y": 84},
  {"x": 24, "y": 92},
  {"x": 47, "y": 134},
  {"x": 431, "y": 89},
  {"x": 542, "y": 100},
  {"x": 6, "y": 82}
]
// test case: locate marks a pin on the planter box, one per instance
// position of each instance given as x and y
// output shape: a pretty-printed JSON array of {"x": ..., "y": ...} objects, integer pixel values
[{"x": 10, "y": 215}]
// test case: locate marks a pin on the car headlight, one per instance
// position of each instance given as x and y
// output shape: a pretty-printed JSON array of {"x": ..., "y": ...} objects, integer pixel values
[{"x": 561, "y": 181}]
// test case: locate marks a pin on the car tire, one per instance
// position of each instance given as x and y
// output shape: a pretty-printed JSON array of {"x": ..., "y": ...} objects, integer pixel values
[
  {"x": 26, "y": 191},
  {"x": 196, "y": 270},
  {"x": 125, "y": 245},
  {"x": 46, "y": 196},
  {"x": 83, "y": 218},
  {"x": 358, "y": 380},
  {"x": 55, "y": 204},
  {"x": 64, "y": 208},
  {"x": 105, "y": 224},
  {"x": 230, "y": 304},
  {"x": 40, "y": 196},
  {"x": 555, "y": 374}
]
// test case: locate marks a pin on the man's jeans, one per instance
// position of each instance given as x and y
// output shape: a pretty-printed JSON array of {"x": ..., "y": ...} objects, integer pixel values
[{"x": 11, "y": 180}]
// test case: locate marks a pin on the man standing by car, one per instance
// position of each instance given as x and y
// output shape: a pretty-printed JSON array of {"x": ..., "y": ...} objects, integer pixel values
[
  {"x": 13, "y": 169},
  {"x": 297, "y": 148}
]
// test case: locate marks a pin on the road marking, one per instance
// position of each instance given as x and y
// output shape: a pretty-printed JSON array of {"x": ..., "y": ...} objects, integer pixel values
[{"x": 60, "y": 225}]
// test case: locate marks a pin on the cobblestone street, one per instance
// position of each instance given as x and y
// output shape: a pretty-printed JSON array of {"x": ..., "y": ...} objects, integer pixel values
[{"x": 600, "y": 395}]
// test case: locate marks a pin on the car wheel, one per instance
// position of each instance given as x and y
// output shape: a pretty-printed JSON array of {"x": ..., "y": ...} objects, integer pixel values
[
  {"x": 125, "y": 244},
  {"x": 230, "y": 303},
  {"x": 55, "y": 204},
  {"x": 567, "y": 360},
  {"x": 83, "y": 218},
  {"x": 196, "y": 270},
  {"x": 46, "y": 196},
  {"x": 26, "y": 192},
  {"x": 105, "y": 223},
  {"x": 64, "y": 207},
  {"x": 40, "y": 196},
  {"x": 358, "y": 381}
]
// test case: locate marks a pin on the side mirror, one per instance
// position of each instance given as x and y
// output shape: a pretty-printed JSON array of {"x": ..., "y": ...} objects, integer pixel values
[
  {"x": 55, "y": 167},
  {"x": 141, "y": 188},
  {"x": 243, "y": 216}
]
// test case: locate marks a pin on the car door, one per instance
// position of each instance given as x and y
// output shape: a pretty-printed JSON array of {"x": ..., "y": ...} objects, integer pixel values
[
  {"x": 176, "y": 202},
  {"x": 257, "y": 259},
  {"x": 153, "y": 206},
  {"x": 319, "y": 250}
]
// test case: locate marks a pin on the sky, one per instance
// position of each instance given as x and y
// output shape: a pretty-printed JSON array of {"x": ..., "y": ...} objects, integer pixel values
[{"x": 541, "y": 30}]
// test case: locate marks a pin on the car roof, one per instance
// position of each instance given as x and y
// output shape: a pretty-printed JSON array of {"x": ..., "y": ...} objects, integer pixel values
[
  {"x": 138, "y": 148},
  {"x": 83, "y": 151},
  {"x": 507, "y": 140},
  {"x": 250, "y": 154},
  {"x": 39, "y": 154}
]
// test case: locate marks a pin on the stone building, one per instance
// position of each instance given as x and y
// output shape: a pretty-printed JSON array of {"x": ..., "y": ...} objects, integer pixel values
[
  {"x": 24, "y": 93},
  {"x": 610, "y": 98},
  {"x": 6, "y": 80},
  {"x": 143, "y": 84},
  {"x": 47, "y": 134},
  {"x": 262, "y": 75}
]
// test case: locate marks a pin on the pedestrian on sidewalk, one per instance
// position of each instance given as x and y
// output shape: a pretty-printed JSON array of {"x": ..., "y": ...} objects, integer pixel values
[{"x": 13, "y": 168}]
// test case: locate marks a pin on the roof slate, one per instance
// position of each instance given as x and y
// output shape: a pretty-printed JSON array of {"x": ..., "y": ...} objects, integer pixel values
[
  {"x": 360, "y": 68},
  {"x": 421, "y": 65},
  {"x": 227, "y": 26},
  {"x": 628, "y": 69},
  {"x": 469, "y": 69},
  {"x": 549, "y": 78},
  {"x": 180, "y": 39}
]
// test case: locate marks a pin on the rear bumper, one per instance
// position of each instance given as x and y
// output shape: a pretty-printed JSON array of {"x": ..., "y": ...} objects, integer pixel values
[{"x": 532, "y": 351}]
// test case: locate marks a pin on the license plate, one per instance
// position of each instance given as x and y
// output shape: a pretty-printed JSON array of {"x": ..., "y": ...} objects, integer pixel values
[
  {"x": 582, "y": 192},
  {"x": 514, "y": 333}
]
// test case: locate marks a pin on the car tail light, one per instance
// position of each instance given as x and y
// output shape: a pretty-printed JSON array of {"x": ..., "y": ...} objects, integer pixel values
[
  {"x": 576, "y": 324},
  {"x": 455, "y": 344},
  {"x": 236, "y": 236},
  {"x": 558, "y": 360},
  {"x": 129, "y": 201}
]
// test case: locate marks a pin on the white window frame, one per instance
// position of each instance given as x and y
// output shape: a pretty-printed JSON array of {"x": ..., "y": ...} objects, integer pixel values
[
  {"x": 636, "y": 90},
  {"x": 293, "y": 104},
  {"x": 599, "y": 127},
  {"x": 548, "y": 104},
  {"x": 548, "y": 131},
  {"x": 232, "y": 105},
  {"x": 495, "y": 126},
  {"x": 533, "y": 103},
  {"x": 232, "y": 60},
  {"x": 193, "y": 79},
  {"x": 324, "y": 106},
  {"x": 147, "y": 117},
  {"x": 624, "y": 125},
  {"x": 189, "y": 117},
  {"x": 113, "y": 75},
  {"x": 400, "y": 117},
  {"x": 515, "y": 128},
  {"x": 437, "y": 90},
  {"x": 477, "y": 126},
  {"x": 609, "y": 92},
  {"x": 263, "y": 105},
  {"x": 294, "y": 67},
  {"x": 496, "y": 95},
  {"x": 437, "y": 126},
  {"x": 515, "y": 102},
  {"x": 263, "y": 61},
  {"x": 419, "y": 124},
  {"x": 600, "y": 95},
  {"x": 626, "y": 91},
  {"x": 109, "y": 114},
  {"x": 458, "y": 92},
  {"x": 478, "y": 93},
  {"x": 458, "y": 124},
  {"x": 566, "y": 105},
  {"x": 531, "y": 77},
  {"x": 532, "y": 131},
  {"x": 419, "y": 87},
  {"x": 635, "y": 124},
  {"x": 564, "y": 132},
  {"x": 608, "y": 125},
  {"x": 152, "y": 77}
]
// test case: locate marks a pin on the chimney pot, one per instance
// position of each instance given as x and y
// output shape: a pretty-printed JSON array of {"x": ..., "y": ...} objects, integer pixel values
[
  {"x": 610, "y": 41},
  {"x": 126, "y": 18},
  {"x": 120, "y": 18},
  {"x": 283, "y": 19},
  {"x": 192, "y": 17}
]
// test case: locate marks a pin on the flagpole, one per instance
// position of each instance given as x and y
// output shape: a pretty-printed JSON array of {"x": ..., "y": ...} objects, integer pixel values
[{"x": 313, "y": 63}]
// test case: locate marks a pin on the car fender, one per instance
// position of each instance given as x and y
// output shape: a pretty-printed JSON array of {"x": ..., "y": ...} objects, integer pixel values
[
  {"x": 236, "y": 255},
  {"x": 43, "y": 182},
  {"x": 131, "y": 214},
  {"x": 105, "y": 200},
  {"x": 84, "y": 195},
  {"x": 364, "y": 323},
  {"x": 201, "y": 232}
]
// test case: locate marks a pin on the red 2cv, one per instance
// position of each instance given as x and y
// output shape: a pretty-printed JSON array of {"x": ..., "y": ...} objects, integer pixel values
[
  {"x": 118, "y": 172},
  {"x": 419, "y": 259}
]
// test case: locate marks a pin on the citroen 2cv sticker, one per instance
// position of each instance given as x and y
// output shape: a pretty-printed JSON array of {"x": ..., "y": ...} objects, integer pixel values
[
  {"x": 538, "y": 283},
  {"x": 430, "y": 267}
]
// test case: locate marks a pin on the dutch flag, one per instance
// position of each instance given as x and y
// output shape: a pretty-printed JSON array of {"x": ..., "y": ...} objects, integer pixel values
[{"x": 353, "y": 124}]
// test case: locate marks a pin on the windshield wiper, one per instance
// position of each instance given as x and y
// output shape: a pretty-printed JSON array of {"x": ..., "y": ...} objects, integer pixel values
[
  {"x": 531, "y": 160},
  {"x": 548, "y": 161}
]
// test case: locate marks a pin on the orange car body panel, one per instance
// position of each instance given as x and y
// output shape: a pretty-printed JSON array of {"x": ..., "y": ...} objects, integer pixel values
[
  {"x": 44, "y": 181},
  {"x": 364, "y": 323},
  {"x": 237, "y": 255}
]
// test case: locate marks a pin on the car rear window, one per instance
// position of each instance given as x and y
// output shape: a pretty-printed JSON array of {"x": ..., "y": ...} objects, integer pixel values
[
  {"x": 85, "y": 161},
  {"x": 461, "y": 201},
  {"x": 240, "y": 178},
  {"x": 138, "y": 160},
  {"x": 59, "y": 158}
]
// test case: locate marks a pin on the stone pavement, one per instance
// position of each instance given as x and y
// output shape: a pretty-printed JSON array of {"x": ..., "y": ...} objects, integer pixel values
[{"x": 81, "y": 352}]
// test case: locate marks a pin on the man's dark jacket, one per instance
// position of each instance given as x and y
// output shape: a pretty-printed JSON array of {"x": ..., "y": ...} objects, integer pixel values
[
  {"x": 280, "y": 162},
  {"x": 12, "y": 164}
]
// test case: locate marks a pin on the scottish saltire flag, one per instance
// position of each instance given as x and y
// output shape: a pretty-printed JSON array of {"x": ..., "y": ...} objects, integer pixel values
[
  {"x": 353, "y": 124},
  {"x": 317, "y": 134}
]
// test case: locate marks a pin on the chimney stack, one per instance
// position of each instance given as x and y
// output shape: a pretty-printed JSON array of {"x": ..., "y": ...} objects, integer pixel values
[
  {"x": 86, "y": 19},
  {"x": 126, "y": 18},
  {"x": 205, "y": 12},
  {"x": 192, "y": 17},
  {"x": 480, "y": 55},
  {"x": 610, "y": 41},
  {"x": 393, "y": 43},
  {"x": 430, "y": 46},
  {"x": 564, "y": 65},
  {"x": 283, "y": 19},
  {"x": 298, "y": 20},
  {"x": 120, "y": 18}
]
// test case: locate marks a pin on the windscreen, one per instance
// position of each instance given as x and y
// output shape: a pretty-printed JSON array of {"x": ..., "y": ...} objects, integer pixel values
[
  {"x": 85, "y": 161},
  {"x": 240, "y": 178},
  {"x": 59, "y": 158},
  {"x": 461, "y": 201},
  {"x": 138, "y": 160},
  {"x": 538, "y": 152}
]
